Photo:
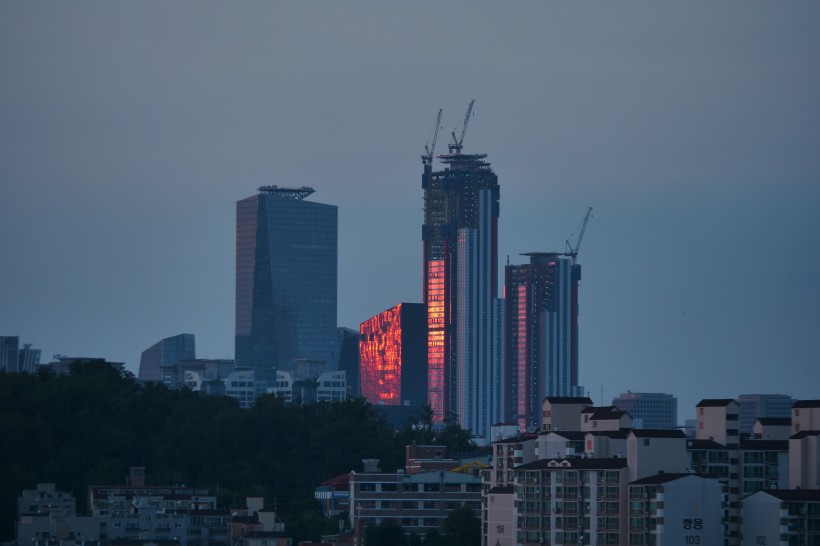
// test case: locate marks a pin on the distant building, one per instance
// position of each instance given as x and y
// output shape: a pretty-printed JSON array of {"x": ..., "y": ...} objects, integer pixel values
[
  {"x": 242, "y": 385},
  {"x": 286, "y": 280},
  {"x": 47, "y": 517},
  {"x": 563, "y": 412},
  {"x": 164, "y": 353},
  {"x": 753, "y": 406},
  {"x": 805, "y": 416},
  {"x": 541, "y": 340},
  {"x": 9, "y": 353},
  {"x": 604, "y": 418},
  {"x": 303, "y": 387},
  {"x": 29, "y": 358},
  {"x": 348, "y": 351},
  {"x": 62, "y": 365},
  {"x": 418, "y": 502},
  {"x": 460, "y": 289},
  {"x": 393, "y": 356},
  {"x": 772, "y": 428},
  {"x": 649, "y": 409}
]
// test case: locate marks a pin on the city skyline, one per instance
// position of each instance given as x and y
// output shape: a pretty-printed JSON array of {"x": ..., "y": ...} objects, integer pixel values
[{"x": 130, "y": 131}]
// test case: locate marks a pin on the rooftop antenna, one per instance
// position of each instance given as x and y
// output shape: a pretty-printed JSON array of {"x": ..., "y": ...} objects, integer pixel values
[
  {"x": 457, "y": 142},
  {"x": 427, "y": 158}
]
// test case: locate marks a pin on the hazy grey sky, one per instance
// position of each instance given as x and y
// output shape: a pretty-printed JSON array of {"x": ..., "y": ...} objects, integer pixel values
[{"x": 128, "y": 130}]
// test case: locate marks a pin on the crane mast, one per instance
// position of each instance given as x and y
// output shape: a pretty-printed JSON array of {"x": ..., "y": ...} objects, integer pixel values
[
  {"x": 457, "y": 142},
  {"x": 427, "y": 158},
  {"x": 573, "y": 251}
]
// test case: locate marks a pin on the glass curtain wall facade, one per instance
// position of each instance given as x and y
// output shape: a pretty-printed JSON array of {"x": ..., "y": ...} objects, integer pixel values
[
  {"x": 286, "y": 280},
  {"x": 460, "y": 235},
  {"x": 166, "y": 352},
  {"x": 392, "y": 355},
  {"x": 541, "y": 338}
]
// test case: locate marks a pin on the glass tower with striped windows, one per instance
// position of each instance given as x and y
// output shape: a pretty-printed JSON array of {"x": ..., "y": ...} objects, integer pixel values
[
  {"x": 464, "y": 314},
  {"x": 541, "y": 341}
]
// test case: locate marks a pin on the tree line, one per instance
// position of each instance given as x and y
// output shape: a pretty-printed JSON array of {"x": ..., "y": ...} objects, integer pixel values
[{"x": 89, "y": 426}]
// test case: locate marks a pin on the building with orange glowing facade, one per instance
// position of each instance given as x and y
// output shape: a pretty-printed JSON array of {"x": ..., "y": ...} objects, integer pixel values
[
  {"x": 393, "y": 356},
  {"x": 541, "y": 341},
  {"x": 464, "y": 315}
]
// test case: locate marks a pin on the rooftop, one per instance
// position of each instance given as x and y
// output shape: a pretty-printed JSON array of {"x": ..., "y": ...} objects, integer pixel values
[
  {"x": 579, "y": 462},
  {"x": 714, "y": 402},
  {"x": 287, "y": 193}
]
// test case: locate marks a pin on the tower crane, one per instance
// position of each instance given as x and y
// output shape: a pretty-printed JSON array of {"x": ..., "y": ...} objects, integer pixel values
[
  {"x": 573, "y": 251},
  {"x": 457, "y": 142},
  {"x": 427, "y": 158}
]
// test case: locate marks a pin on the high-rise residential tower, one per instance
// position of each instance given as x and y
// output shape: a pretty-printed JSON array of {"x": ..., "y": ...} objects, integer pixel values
[
  {"x": 541, "y": 339},
  {"x": 286, "y": 280},
  {"x": 464, "y": 316}
]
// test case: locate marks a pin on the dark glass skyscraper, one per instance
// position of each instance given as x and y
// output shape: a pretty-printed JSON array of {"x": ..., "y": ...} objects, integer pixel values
[
  {"x": 286, "y": 271},
  {"x": 464, "y": 317},
  {"x": 541, "y": 341}
]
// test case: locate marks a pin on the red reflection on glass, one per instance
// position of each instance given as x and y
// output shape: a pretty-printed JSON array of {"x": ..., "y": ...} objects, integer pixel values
[{"x": 380, "y": 355}]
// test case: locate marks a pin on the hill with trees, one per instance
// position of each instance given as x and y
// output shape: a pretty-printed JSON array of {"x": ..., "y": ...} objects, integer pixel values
[{"x": 90, "y": 426}]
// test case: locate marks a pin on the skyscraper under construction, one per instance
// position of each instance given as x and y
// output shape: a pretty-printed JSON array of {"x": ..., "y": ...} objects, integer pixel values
[
  {"x": 541, "y": 342},
  {"x": 464, "y": 316}
]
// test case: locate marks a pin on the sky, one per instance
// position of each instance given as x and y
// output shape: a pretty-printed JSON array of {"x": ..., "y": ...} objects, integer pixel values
[{"x": 128, "y": 131}]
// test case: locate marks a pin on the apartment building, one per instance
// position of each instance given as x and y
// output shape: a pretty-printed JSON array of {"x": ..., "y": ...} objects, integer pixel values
[
  {"x": 571, "y": 501},
  {"x": 418, "y": 502},
  {"x": 782, "y": 517},
  {"x": 672, "y": 508}
]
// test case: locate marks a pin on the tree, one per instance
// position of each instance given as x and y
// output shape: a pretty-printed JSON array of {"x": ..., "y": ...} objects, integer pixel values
[
  {"x": 462, "y": 527},
  {"x": 386, "y": 533}
]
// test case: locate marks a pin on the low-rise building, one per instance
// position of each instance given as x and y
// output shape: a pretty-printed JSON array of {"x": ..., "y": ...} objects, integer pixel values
[{"x": 418, "y": 502}]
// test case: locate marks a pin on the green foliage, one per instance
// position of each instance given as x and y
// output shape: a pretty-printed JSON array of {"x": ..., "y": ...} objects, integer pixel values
[
  {"x": 387, "y": 533},
  {"x": 88, "y": 427},
  {"x": 462, "y": 527}
]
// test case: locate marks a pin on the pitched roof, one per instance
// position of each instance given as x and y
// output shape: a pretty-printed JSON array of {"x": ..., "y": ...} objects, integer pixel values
[
  {"x": 804, "y": 434},
  {"x": 807, "y": 404},
  {"x": 575, "y": 462},
  {"x": 661, "y": 478},
  {"x": 614, "y": 434},
  {"x": 764, "y": 445},
  {"x": 775, "y": 421},
  {"x": 658, "y": 433},
  {"x": 714, "y": 402},
  {"x": 568, "y": 434},
  {"x": 569, "y": 400},
  {"x": 795, "y": 494},
  {"x": 604, "y": 412},
  {"x": 704, "y": 444}
]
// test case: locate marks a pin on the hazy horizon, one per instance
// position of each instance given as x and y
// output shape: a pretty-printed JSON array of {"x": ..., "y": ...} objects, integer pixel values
[{"x": 130, "y": 130}]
